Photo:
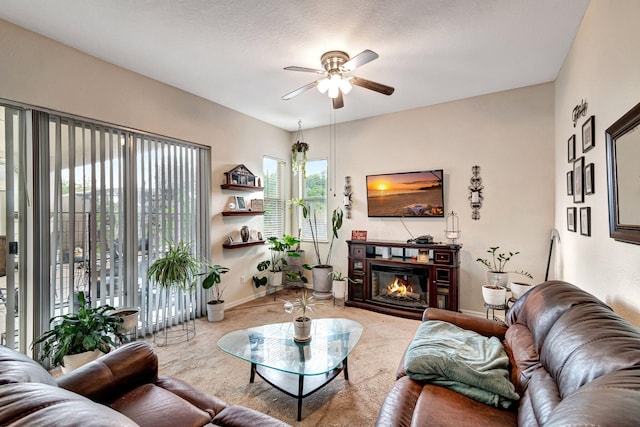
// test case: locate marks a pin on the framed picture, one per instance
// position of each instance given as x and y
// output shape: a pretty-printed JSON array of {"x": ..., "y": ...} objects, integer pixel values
[
  {"x": 570, "y": 183},
  {"x": 578, "y": 180},
  {"x": 588, "y": 134},
  {"x": 241, "y": 205},
  {"x": 571, "y": 148},
  {"x": 588, "y": 179},
  {"x": 571, "y": 219},
  {"x": 257, "y": 205},
  {"x": 585, "y": 221}
]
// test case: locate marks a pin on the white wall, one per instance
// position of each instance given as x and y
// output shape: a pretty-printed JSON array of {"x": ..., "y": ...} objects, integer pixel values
[
  {"x": 38, "y": 71},
  {"x": 603, "y": 67},
  {"x": 508, "y": 134}
]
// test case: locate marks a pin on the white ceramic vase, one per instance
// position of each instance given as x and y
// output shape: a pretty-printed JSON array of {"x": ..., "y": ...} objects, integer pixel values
[
  {"x": 74, "y": 361},
  {"x": 494, "y": 295},
  {"x": 275, "y": 278},
  {"x": 497, "y": 279},
  {"x": 215, "y": 311},
  {"x": 322, "y": 281},
  {"x": 302, "y": 329},
  {"x": 518, "y": 289}
]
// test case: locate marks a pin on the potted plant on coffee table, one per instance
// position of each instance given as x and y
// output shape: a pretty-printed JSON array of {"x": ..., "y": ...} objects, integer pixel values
[
  {"x": 212, "y": 280},
  {"x": 300, "y": 310},
  {"x": 495, "y": 292},
  {"x": 78, "y": 338},
  {"x": 322, "y": 270}
]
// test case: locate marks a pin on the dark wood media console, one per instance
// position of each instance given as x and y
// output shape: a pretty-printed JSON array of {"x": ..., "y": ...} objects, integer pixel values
[{"x": 402, "y": 279}]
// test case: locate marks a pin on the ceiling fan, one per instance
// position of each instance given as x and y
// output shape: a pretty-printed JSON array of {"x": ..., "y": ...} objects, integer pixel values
[{"x": 336, "y": 64}]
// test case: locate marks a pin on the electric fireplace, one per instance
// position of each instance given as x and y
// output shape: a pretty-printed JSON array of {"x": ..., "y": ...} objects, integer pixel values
[{"x": 399, "y": 285}]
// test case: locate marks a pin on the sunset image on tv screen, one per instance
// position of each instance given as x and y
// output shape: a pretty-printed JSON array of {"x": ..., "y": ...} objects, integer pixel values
[{"x": 410, "y": 194}]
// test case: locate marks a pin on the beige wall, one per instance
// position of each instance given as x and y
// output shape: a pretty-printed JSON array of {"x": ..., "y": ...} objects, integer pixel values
[
  {"x": 603, "y": 67},
  {"x": 508, "y": 134},
  {"x": 38, "y": 71}
]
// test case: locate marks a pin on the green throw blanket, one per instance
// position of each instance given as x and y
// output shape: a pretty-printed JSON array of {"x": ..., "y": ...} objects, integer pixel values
[{"x": 463, "y": 361}]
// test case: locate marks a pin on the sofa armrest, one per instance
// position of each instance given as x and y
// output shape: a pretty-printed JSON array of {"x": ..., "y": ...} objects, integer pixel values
[
  {"x": 114, "y": 374},
  {"x": 486, "y": 327}
]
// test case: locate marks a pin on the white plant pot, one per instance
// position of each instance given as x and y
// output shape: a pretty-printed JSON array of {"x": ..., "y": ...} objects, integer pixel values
[
  {"x": 494, "y": 295},
  {"x": 129, "y": 319},
  {"x": 322, "y": 281},
  {"x": 275, "y": 278},
  {"x": 215, "y": 312},
  {"x": 302, "y": 329},
  {"x": 340, "y": 289},
  {"x": 518, "y": 289},
  {"x": 497, "y": 279},
  {"x": 74, "y": 361}
]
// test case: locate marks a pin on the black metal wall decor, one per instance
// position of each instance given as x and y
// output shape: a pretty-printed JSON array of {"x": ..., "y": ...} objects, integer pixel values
[
  {"x": 347, "y": 202},
  {"x": 579, "y": 111},
  {"x": 475, "y": 189}
]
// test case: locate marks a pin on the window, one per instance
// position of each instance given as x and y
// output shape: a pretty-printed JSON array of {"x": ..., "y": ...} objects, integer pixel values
[
  {"x": 274, "y": 201},
  {"x": 314, "y": 193}
]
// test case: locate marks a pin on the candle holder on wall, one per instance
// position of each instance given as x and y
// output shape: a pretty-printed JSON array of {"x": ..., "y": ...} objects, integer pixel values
[
  {"x": 347, "y": 202},
  {"x": 452, "y": 232},
  {"x": 475, "y": 189}
]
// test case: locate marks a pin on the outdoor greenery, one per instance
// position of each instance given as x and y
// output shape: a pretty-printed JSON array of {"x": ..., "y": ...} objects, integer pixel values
[
  {"x": 312, "y": 218},
  {"x": 87, "y": 330},
  {"x": 498, "y": 261}
]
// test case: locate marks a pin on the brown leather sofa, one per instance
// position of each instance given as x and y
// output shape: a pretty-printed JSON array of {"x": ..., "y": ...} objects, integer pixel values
[
  {"x": 572, "y": 359},
  {"x": 120, "y": 389}
]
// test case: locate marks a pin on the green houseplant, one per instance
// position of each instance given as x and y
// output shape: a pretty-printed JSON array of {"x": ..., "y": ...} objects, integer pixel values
[
  {"x": 177, "y": 268},
  {"x": 91, "y": 329},
  {"x": 339, "y": 285},
  {"x": 279, "y": 249},
  {"x": 301, "y": 320},
  {"x": 495, "y": 292},
  {"x": 212, "y": 280}
]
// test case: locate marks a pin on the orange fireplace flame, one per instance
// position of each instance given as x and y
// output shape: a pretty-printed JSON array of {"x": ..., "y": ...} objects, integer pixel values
[{"x": 397, "y": 288}]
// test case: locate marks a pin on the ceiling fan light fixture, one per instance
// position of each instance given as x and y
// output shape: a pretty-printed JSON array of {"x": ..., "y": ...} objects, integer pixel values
[
  {"x": 323, "y": 85},
  {"x": 334, "y": 91},
  {"x": 345, "y": 86}
]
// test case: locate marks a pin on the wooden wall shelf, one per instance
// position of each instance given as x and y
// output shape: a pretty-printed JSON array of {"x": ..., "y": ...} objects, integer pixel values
[
  {"x": 237, "y": 245},
  {"x": 238, "y": 187},
  {"x": 242, "y": 213}
]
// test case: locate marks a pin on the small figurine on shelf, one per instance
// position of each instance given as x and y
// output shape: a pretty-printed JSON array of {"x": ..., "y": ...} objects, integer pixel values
[{"x": 229, "y": 240}]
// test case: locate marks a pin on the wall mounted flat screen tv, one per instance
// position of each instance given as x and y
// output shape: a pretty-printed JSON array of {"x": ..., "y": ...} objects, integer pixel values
[{"x": 407, "y": 194}]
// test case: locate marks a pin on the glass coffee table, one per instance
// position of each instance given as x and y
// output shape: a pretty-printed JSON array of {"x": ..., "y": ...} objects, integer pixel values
[{"x": 297, "y": 369}]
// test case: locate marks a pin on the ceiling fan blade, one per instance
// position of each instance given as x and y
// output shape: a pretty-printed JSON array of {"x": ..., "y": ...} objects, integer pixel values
[
  {"x": 368, "y": 84},
  {"x": 300, "y": 90},
  {"x": 305, "y": 69},
  {"x": 359, "y": 60},
  {"x": 338, "y": 101}
]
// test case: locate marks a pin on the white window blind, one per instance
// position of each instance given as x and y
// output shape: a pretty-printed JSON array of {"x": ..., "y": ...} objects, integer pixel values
[
  {"x": 314, "y": 193},
  {"x": 274, "y": 202}
]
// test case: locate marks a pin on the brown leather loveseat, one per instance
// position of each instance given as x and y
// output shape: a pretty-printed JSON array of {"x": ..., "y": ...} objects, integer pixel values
[
  {"x": 120, "y": 389},
  {"x": 572, "y": 360}
]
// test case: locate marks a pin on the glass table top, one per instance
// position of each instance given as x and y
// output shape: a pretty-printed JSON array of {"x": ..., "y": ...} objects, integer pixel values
[{"x": 273, "y": 346}]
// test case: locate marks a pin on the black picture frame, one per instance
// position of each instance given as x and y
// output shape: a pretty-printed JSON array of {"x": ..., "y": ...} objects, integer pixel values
[
  {"x": 585, "y": 221},
  {"x": 571, "y": 148},
  {"x": 571, "y": 219},
  {"x": 589, "y": 134},
  {"x": 570, "y": 183},
  {"x": 588, "y": 179},
  {"x": 578, "y": 180}
]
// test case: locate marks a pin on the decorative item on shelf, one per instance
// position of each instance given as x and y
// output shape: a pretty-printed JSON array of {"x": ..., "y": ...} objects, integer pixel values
[
  {"x": 475, "y": 189},
  {"x": 452, "y": 232},
  {"x": 359, "y": 235},
  {"x": 245, "y": 233},
  {"x": 240, "y": 176},
  {"x": 299, "y": 148},
  {"x": 423, "y": 255},
  {"x": 232, "y": 206},
  {"x": 347, "y": 201},
  {"x": 241, "y": 205},
  {"x": 229, "y": 240},
  {"x": 257, "y": 205},
  {"x": 301, "y": 320}
]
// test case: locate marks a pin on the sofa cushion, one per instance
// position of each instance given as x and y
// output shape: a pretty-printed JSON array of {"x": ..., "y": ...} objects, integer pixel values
[
  {"x": 461, "y": 360},
  {"x": 523, "y": 357},
  {"x": 15, "y": 367},
  {"x": 35, "y": 404},
  {"x": 150, "y": 405}
]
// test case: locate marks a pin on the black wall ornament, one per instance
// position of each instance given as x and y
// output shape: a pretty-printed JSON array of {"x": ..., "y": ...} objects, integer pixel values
[
  {"x": 475, "y": 189},
  {"x": 579, "y": 111}
]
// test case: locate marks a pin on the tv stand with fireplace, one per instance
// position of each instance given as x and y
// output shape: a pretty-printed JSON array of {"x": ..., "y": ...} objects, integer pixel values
[{"x": 402, "y": 279}]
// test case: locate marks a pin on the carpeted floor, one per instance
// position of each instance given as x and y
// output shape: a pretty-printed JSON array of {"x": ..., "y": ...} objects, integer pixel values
[{"x": 354, "y": 403}]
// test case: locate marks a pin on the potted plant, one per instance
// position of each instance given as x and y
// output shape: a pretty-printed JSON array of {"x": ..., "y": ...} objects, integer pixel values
[
  {"x": 301, "y": 320},
  {"x": 339, "y": 285},
  {"x": 176, "y": 268},
  {"x": 279, "y": 249},
  {"x": 77, "y": 338},
  {"x": 495, "y": 292},
  {"x": 322, "y": 270},
  {"x": 212, "y": 279},
  {"x": 299, "y": 148}
]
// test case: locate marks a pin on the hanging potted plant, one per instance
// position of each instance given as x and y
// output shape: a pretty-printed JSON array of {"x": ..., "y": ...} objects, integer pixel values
[
  {"x": 78, "y": 338},
  {"x": 299, "y": 148},
  {"x": 213, "y": 279},
  {"x": 495, "y": 292}
]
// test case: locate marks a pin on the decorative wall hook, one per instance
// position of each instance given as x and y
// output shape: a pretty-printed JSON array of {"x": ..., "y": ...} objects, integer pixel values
[
  {"x": 347, "y": 202},
  {"x": 475, "y": 196}
]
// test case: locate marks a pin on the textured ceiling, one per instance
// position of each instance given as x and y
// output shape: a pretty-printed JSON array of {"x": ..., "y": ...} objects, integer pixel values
[{"x": 233, "y": 52}]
